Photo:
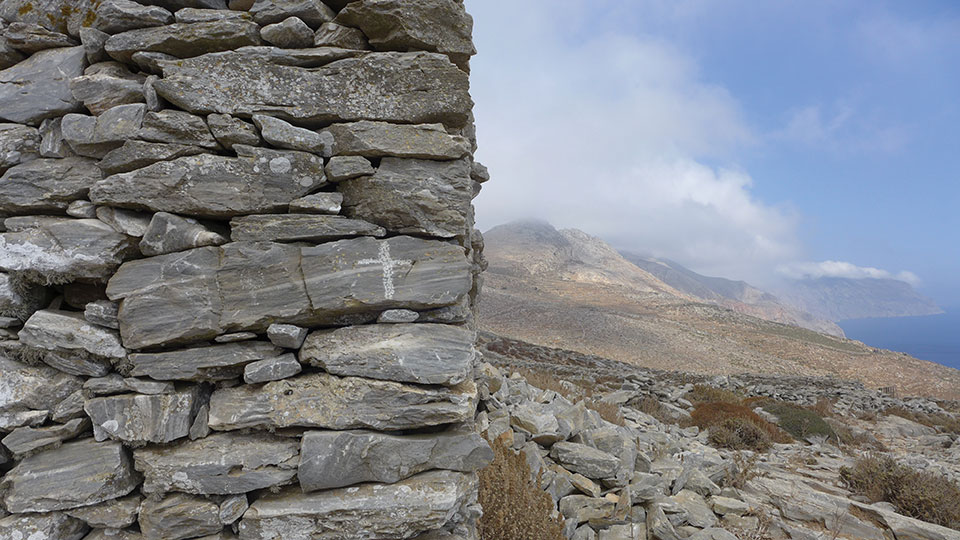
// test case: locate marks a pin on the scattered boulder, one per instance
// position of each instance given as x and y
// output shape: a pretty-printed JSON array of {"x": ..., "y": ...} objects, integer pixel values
[{"x": 39, "y": 87}]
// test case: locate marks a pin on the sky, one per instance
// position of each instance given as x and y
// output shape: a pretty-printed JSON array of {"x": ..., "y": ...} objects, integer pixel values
[{"x": 743, "y": 139}]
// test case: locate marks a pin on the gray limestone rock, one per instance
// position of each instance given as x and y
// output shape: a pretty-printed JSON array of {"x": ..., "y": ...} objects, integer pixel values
[
  {"x": 195, "y": 15},
  {"x": 69, "y": 408},
  {"x": 53, "y": 145},
  {"x": 184, "y": 40},
  {"x": 114, "y": 514},
  {"x": 39, "y": 87},
  {"x": 178, "y": 127},
  {"x": 585, "y": 460},
  {"x": 124, "y": 221},
  {"x": 413, "y": 196},
  {"x": 299, "y": 228},
  {"x": 271, "y": 369},
  {"x": 248, "y": 287},
  {"x": 115, "y": 16},
  {"x": 258, "y": 180},
  {"x": 230, "y": 131},
  {"x": 138, "y": 154},
  {"x": 179, "y": 516},
  {"x": 78, "y": 364},
  {"x": 288, "y": 336},
  {"x": 285, "y": 135},
  {"x": 30, "y": 38},
  {"x": 414, "y": 87},
  {"x": 46, "y": 185},
  {"x": 18, "y": 144},
  {"x": 398, "y": 316},
  {"x": 200, "y": 429},
  {"x": 336, "y": 35},
  {"x": 93, "y": 41},
  {"x": 58, "y": 15},
  {"x": 318, "y": 203},
  {"x": 96, "y": 136},
  {"x": 169, "y": 233},
  {"x": 24, "y": 440},
  {"x": 232, "y": 509},
  {"x": 418, "y": 353},
  {"x": 149, "y": 62},
  {"x": 15, "y": 419},
  {"x": 78, "y": 473},
  {"x": 291, "y": 33},
  {"x": 379, "y": 139},
  {"x": 312, "y": 12},
  {"x": 234, "y": 337},
  {"x": 536, "y": 420},
  {"x": 82, "y": 210},
  {"x": 219, "y": 464},
  {"x": 418, "y": 504},
  {"x": 325, "y": 401},
  {"x": 340, "y": 168},
  {"x": 138, "y": 418},
  {"x": 213, "y": 363},
  {"x": 432, "y": 25},
  {"x": 332, "y": 459},
  {"x": 312, "y": 57},
  {"x": 106, "y": 85},
  {"x": 52, "y": 526},
  {"x": 114, "y": 383},
  {"x": 68, "y": 333}
]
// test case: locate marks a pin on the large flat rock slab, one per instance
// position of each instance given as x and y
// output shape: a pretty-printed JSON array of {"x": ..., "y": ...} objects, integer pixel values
[
  {"x": 417, "y": 87},
  {"x": 381, "y": 139},
  {"x": 184, "y": 39},
  {"x": 413, "y": 196},
  {"x": 79, "y": 473},
  {"x": 39, "y": 87},
  {"x": 38, "y": 388},
  {"x": 258, "y": 180},
  {"x": 299, "y": 228},
  {"x": 213, "y": 363},
  {"x": 332, "y": 459},
  {"x": 65, "y": 250},
  {"x": 384, "y": 511},
  {"x": 46, "y": 185},
  {"x": 197, "y": 294},
  {"x": 219, "y": 464},
  {"x": 139, "y": 418},
  {"x": 417, "y": 353},
  {"x": 325, "y": 401},
  {"x": 42, "y": 526},
  {"x": 68, "y": 333}
]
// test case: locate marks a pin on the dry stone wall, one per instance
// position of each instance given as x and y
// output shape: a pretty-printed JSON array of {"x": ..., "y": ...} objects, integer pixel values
[{"x": 238, "y": 270}]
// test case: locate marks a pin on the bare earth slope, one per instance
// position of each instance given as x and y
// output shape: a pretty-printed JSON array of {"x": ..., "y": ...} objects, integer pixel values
[{"x": 544, "y": 286}]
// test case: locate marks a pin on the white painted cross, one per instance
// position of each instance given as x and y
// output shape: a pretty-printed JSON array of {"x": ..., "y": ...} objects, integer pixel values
[{"x": 388, "y": 264}]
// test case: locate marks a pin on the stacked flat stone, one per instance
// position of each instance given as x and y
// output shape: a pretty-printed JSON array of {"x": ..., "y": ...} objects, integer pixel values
[{"x": 238, "y": 270}]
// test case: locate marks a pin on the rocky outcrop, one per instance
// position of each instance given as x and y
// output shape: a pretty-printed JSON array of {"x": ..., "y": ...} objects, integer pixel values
[{"x": 238, "y": 271}]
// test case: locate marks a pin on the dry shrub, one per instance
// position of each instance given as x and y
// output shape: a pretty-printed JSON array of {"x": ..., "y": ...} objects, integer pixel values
[
  {"x": 608, "y": 411},
  {"x": 652, "y": 406},
  {"x": 703, "y": 393},
  {"x": 746, "y": 470},
  {"x": 736, "y": 426},
  {"x": 548, "y": 381},
  {"x": 862, "y": 441},
  {"x": 944, "y": 422},
  {"x": 823, "y": 407},
  {"x": 514, "y": 507},
  {"x": 918, "y": 494},
  {"x": 798, "y": 421}
]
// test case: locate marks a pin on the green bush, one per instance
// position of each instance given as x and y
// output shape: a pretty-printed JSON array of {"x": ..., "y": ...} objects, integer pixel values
[
  {"x": 918, "y": 494},
  {"x": 799, "y": 422}
]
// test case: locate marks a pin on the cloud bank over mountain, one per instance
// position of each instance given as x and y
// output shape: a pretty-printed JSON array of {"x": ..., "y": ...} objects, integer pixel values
[{"x": 840, "y": 269}]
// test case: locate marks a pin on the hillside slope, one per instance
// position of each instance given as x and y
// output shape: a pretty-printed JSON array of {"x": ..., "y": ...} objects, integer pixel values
[{"x": 544, "y": 286}]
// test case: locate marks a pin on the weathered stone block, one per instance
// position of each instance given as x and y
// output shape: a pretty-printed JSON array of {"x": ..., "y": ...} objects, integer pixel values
[
  {"x": 395, "y": 87},
  {"x": 332, "y": 459},
  {"x": 42, "y": 527},
  {"x": 380, "y": 139},
  {"x": 418, "y": 353},
  {"x": 46, "y": 185},
  {"x": 113, "y": 514},
  {"x": 18, "y": 144},
  {"x": 257, "y": 180},
  {"x": 26, "y": 439},
  {"x": 325, "y": 401},
  {"x": 271, "y": 369},
  {"x": 179, "y": 516},
  {"x": 79, "y": 473},
  {"x": 220, "y": 464},
  {"x": 39, "y": 87},
  {"x": 299, "y": 228},
  {"x": 138, "y": 418},
  {"x": 418, "y": 504},
  {"x": 38, "y": 388},
  {"x": 184, "y": 40},
  {"x": 213, "y": 363},
  {"x": 68, "y": 333}
]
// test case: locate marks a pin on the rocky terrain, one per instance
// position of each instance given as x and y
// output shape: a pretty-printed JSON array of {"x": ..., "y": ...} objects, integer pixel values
[
  {"x": 638, "y": 477},
  {"x": 572, "y": 291},
  {"x": 238, "y": 270}
]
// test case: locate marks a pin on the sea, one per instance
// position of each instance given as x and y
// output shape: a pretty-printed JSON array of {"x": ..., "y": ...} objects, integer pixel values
[{"x": 930, "y": 337}]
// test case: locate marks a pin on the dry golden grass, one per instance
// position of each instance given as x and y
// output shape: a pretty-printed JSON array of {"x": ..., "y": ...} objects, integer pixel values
[
  {"x": 514, "y": 507},
  {"x": 737, "y": 427},
  {"x": 917, "y": 494},
  {"x": 608, "y": 411},
  {"x": 703, "y": 393}
]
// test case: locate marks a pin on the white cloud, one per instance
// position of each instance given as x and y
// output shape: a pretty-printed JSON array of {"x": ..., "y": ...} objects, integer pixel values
[
  {"x": 813, "y": 270},
  {"x": 618, "y": 135}
]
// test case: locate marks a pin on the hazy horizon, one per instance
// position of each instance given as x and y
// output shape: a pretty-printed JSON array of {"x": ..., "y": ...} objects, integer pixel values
[{"x": 740, "y": 140}]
